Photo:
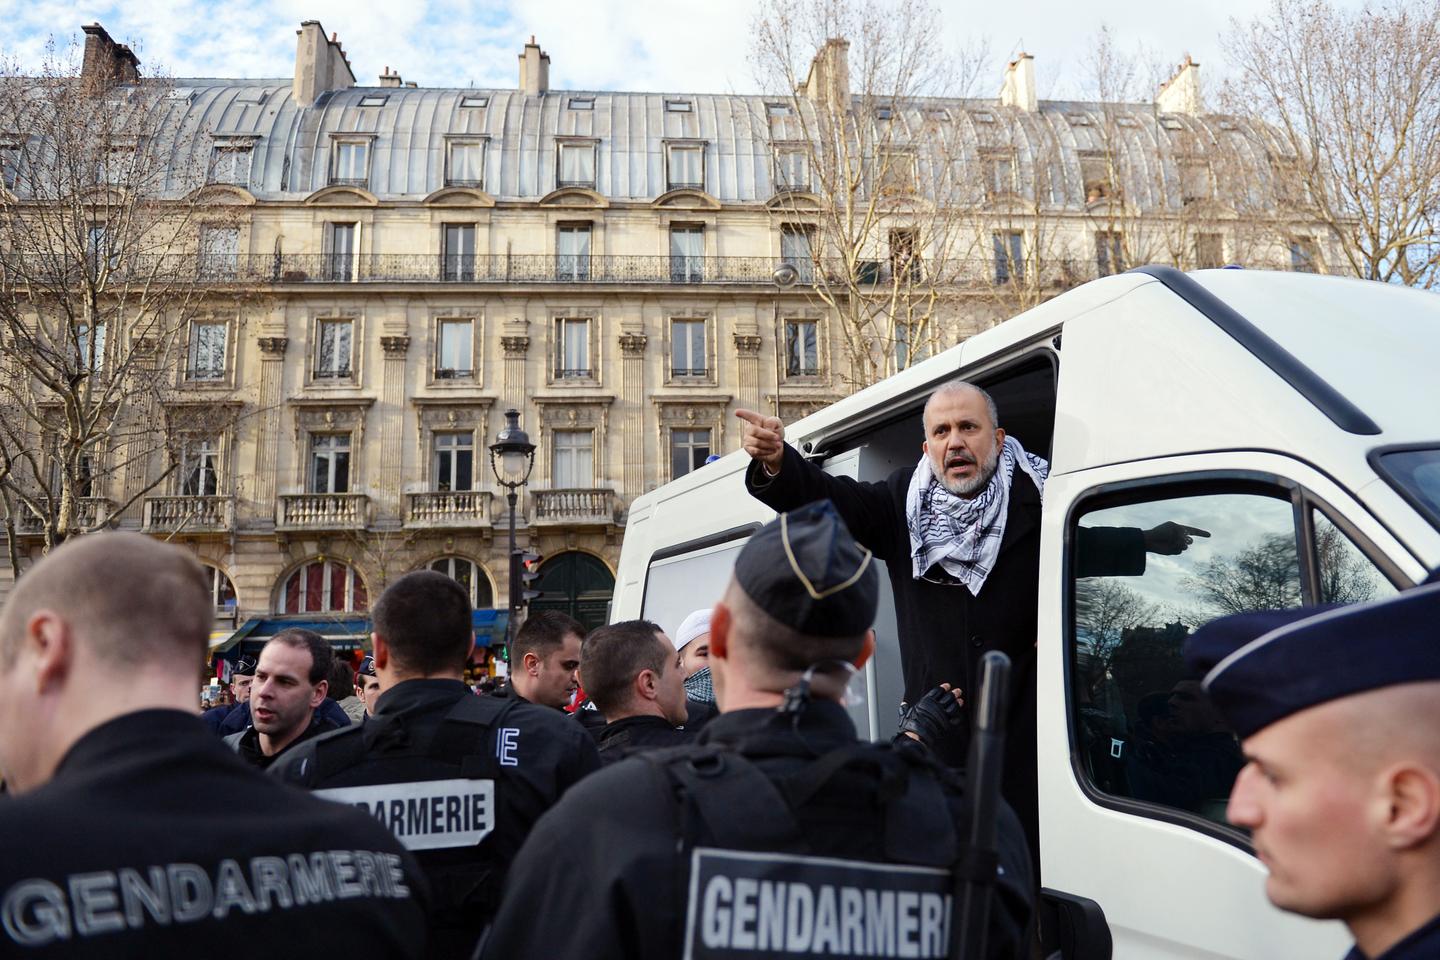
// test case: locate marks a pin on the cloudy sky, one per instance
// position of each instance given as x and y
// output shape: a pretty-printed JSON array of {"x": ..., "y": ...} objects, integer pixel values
[{"x": 679, "y": 46}]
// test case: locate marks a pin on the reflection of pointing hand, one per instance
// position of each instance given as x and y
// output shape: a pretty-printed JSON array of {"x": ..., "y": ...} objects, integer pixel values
[
  {"x": 764, "y": 438},
  {"x": 1171, "y": 538}
]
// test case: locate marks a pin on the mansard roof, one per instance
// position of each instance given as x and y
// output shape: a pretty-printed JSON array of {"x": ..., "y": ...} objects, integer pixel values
[{"x": 409, "y": 129}]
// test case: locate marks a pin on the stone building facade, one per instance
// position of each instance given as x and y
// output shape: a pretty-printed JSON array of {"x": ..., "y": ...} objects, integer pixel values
[{"x": 411, "y": 263}]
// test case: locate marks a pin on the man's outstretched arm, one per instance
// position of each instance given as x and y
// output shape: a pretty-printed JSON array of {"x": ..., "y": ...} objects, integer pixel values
[{"x": 783, "y": 480}]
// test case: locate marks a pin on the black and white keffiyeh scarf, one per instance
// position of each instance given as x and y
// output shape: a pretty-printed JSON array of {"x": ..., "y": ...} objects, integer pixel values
[{"x": 963, "y": 536}]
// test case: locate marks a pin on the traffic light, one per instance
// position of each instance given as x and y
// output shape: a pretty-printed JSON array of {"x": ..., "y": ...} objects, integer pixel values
[
  {"x": 529, "y": 573},
  {"x": 524, "y": 571}
]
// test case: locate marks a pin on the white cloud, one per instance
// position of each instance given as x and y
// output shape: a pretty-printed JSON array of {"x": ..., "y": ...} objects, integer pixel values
[{"x": 684, "y": 46}]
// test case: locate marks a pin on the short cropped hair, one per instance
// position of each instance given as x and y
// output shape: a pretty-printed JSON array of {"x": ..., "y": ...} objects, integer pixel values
[
  {"x": 961, "y": 386},
  {"x": 425, "y": 619},
  {"x": 133, "y": 599},
  {"x": 782, "y": 647},
  {"x": 613, "y": 656},
  {"x": 322, "y": 655},
  {"x": 543, "y": 633}
]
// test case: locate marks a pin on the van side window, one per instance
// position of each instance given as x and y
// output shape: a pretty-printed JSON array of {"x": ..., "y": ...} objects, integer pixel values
[
  {"x": 1345, "y": 574},
  {"x": 1144, "y": 729}
]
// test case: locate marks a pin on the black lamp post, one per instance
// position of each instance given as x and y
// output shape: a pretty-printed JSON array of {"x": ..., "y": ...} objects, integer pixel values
[{"x": 512, "y": 456}]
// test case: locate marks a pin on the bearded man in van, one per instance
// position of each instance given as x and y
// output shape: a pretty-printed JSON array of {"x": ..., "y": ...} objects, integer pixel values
[{"x": 960, "y": 535}]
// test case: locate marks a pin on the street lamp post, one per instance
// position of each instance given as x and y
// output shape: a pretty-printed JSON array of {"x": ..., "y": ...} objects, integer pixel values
[{"x": 512, "y": 456}]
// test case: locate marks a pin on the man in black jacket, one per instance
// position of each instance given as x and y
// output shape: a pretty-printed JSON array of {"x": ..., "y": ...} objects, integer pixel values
[
  {"x": 960, "y": 537},
  {"x": 292, "y": 679},
  {"x": 461, "y": 779},
  {"x": 115, "y": 844},
  {"x": 635, "y": 679},
  {"x": 778, "y": 834},
  {"x": 545, "y": 660}
]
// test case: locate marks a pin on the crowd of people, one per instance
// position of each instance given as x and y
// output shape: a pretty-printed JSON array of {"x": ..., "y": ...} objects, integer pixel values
[{"x": 629, "y": 794}]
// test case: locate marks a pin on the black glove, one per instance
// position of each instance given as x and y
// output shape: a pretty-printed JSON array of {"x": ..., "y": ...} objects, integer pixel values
[{"x": 932, "y": 716}]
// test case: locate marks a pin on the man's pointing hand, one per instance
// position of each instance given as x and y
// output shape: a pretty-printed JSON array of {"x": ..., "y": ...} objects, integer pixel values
[{"x": 764, "y": 439}]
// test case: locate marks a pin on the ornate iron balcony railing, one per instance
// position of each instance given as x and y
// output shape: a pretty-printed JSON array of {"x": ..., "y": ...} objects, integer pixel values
[{"x": 306, "y": 268}]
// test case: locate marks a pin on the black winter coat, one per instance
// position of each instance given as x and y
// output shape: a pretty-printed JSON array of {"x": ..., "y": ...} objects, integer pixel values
[{"x": 944, "y": 630}]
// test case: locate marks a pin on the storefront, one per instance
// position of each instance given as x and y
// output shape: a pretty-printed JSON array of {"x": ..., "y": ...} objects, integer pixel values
[{"x": 349, "y": 634}]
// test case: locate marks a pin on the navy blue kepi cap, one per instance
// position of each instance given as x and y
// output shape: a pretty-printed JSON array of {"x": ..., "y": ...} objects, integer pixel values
[
  {"x": 805, "y": 570},
  {"x": 1262, "y": 667},
  {"x": 244, "y": 667}
]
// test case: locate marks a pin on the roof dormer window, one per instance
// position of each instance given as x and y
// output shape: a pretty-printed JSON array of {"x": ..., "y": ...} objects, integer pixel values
[
  {"x": 374, "y": 100},
  {"x": 678, "y": 106},
  {"x": 582, "y": 103},
  {"x": 474, "y": 103}
]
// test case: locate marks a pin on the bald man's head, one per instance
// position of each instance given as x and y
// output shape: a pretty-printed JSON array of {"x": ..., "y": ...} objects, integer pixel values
[
  {"x": 133, "y": 600},
  {"x": 1378, "y": 728},
  {"x": 1343, "y": 803}
]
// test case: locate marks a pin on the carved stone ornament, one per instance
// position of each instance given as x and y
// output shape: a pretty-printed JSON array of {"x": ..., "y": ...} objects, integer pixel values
[
  {"x": 395, "y": 347},
  {"x": 633, "y": 344},
  {"x": 333, "y": 418},
  {"x": 570, "y": 415},
  {"x": 515, "y": 346},
  {"x": 273, "y": 346},
  {"x": 747, "y": 345},
  {"x": 686, "y": 414},
  {"x": 437, "y": 416}
]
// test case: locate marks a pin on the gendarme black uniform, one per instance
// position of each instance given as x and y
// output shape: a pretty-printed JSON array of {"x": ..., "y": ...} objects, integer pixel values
[
  {"x": 126, "y": 853},
  {"x": 607, "y": 858},
  {"x": 620, "y": 738},
  {"x": 777, "y": 834},
  {"x": 460, "y": 779}
]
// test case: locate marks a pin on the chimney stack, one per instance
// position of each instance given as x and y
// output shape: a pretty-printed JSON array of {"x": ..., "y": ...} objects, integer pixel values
[
  {"x": 320, "y": 64},
  {"x": 534, "y": 70},
  {"x": 1181, "y": 93},
  {"x": 1019, "y": 87},
  {"x": 106, "y": 62},
  {"x": 829, "y": 76},
  {"x": 389, "y": 79}
]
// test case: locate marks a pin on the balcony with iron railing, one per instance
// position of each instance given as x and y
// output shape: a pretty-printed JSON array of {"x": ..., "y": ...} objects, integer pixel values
[
  {"x": 309, "y": 268},
  {"x": 322, "y": 511},
  {"x": 184, "y": 514},
  {"x": 574, "y": 506},
  {"x": 450, "y": 508}
]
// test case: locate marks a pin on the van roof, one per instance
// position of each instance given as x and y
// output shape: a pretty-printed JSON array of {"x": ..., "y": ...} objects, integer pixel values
[{"x": 1376, "y": 344}]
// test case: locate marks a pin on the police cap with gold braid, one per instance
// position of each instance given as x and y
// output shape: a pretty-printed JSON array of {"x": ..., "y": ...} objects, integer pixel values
[{"x": 805, "y": 570}]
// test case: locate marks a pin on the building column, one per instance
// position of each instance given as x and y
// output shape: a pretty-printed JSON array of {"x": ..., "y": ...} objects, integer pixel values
[
  {"x": 747, "y": 349},
  {"x": 139, "y": 452},
  {"x": 515, "y": 349},
  {"x": 392, "y": 420},
  {"x": 267, "y": 447},
  {"x": 632, "y": 415}
]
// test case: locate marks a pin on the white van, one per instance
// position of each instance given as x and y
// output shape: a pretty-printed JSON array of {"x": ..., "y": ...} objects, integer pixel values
[{"x": 1294, "y": 417}]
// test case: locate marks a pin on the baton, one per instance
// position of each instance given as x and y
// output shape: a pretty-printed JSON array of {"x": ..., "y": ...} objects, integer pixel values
[{"x": 982, "y": 784}]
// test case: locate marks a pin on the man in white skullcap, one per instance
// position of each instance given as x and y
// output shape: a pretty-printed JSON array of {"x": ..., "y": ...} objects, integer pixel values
[{"x": 692, "y": 643}]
